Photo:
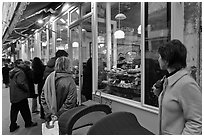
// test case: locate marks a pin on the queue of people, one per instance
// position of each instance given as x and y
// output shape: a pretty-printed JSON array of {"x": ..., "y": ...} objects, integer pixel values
[
  {"x": 27, "y": 75},
  {"x": 180, "y": 99}
]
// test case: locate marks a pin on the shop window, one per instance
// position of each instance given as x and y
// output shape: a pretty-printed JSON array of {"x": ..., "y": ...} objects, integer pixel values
[
  {"x": 62, "y": 34},
  {"x": 74, "y": 40},
  {"x": 119, "y": 54},
  {"x": 157, "y": 32},
  {"x": 44, "y": 45},
  {"x": 50, "y": 44}
]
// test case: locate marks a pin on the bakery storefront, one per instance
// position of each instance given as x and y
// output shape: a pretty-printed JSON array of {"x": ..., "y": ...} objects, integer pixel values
[{"x": 122, "y": 38}]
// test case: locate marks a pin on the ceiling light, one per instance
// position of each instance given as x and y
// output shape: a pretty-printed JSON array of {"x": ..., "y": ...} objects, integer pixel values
[
  {"x": 75, "y": 44},
  {"x": 120, "y": 16},
  {"x": 59, "y": 39},
  {"x": 119, "y": 34},
  {"x": 40, "y": 21},
  {"x": 65, "y": 7},
  {"x": 52, "y": 18}
]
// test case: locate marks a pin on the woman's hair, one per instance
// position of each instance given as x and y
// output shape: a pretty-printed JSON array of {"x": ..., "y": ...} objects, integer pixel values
[
  {"x": 37, "y": 64},
  {"x": 62, "y": 64},
  {"x": 174, "y": 52}
]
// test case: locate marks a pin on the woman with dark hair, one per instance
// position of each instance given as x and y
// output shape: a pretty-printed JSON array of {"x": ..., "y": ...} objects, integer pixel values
[
  {"x": 180, "y": 98},
  {"x": 38, "y": 70}
]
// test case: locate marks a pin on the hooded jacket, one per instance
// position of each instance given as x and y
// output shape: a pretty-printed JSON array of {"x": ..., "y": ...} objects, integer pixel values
[
  {"x": 66, "y": 93},
  {"x": 19, "y": 89}
]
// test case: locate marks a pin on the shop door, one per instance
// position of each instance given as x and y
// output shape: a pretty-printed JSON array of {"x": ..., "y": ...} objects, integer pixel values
[{"x": 81, "y": 47}]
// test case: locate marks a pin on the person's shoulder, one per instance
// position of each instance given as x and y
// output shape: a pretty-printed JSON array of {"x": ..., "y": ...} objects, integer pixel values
[{"x": 51, "y": 62}]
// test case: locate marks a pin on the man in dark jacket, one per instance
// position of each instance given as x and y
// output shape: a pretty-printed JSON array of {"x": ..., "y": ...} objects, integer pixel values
[
  {"x": 19, "y": 92},
  {"x": 5, "y": 72},
  {"x": 51, "y": 63}
]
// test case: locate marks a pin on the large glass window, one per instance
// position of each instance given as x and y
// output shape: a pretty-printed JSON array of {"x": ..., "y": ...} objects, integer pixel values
[
  {"x": 44, "y": 45},
  {"x": 51, "y": 43},
  {"x": 62, "y": 34},
  {"x": 74, "y": 40},
  {"x": 86, "y": 40},
  {"x": 157, "y": 32},
  {"x": 119, "y": 55}
]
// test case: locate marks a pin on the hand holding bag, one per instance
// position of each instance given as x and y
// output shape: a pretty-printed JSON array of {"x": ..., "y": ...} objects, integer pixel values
[{"x": 51, "y": 127}]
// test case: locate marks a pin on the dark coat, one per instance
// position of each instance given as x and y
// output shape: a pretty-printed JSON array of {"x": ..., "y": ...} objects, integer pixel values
[
  {"x": 49, "y": 67},
  {"x": 87, "y": 81},
  {"x": 38, "y": 78},
  {"x": 66, "y": 91},
  {"x": 5, "y": 73},
  {"x": 29, "y": 75},
  {"x": 19, "y": 89}
]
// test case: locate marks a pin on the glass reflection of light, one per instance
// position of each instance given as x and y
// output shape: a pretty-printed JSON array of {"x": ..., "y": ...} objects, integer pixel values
[{"x": 75, "y": 44}]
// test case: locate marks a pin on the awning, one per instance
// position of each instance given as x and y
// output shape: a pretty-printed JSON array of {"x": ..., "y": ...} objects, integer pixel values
[{"x": 24, "y": 21}]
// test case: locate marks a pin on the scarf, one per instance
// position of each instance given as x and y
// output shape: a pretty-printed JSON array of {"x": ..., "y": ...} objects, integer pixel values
[{"x": 50, "y": 93}]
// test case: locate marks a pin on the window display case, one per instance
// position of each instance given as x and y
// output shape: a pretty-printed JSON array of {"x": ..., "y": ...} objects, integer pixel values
[
  {"x": 119, "y": 59},
  {"x": 125, "y": 83}
]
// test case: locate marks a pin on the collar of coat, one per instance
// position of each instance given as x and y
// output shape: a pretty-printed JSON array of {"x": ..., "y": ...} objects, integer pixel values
[{"x": 178, "y": 75}]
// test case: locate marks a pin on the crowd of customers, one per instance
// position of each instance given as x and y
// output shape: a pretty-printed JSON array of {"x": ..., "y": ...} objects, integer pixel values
[{"x": 28, "y": 79}]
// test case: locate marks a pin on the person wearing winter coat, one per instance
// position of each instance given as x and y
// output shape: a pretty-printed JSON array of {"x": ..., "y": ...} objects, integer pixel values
[
  {"x": 19, "y": 92},
  {"x": 59, "y": 91},
  {"x": 38, "y": 69},
  {"x": 180, "y": 99},
  {"x": 87, "y": 80},
  {"x": 29, "y": 75},
  {"x": 51, "y": 63}
]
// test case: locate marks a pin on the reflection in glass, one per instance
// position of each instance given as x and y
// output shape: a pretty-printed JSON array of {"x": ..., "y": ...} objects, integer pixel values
[
  {"x": 157, "y": 32},
  {"x": 44, "y": 46},
  {"x": 62, "y": 36},
  {"x": 74, "y": 39},
  {"x": 86, "y": 40}
]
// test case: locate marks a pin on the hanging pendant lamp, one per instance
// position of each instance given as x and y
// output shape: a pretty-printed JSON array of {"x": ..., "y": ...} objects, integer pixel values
[{"x": 119, "y": 34}]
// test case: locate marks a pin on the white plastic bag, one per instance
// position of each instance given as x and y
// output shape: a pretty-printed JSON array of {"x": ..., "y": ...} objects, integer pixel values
[{"x": 50, "y": 131}]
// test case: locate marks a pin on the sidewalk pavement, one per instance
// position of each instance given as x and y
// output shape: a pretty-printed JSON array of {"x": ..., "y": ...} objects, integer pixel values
[{"x": 6, "y": 118}]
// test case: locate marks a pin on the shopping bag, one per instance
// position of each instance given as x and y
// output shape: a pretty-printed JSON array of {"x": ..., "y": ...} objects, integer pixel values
[{"x": 50, "y": 131}]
